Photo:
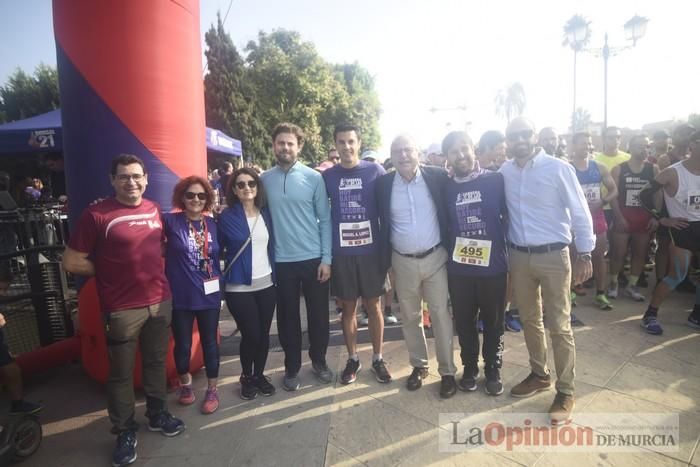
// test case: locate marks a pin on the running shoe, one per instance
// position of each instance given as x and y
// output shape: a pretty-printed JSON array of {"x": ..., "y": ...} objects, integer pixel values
[
  {"x": 612, "y": 291},
  {"x": 603, "y": 302},
  {"x": 652, "y": 325},
  {"x": 512, "y": 322},
  {"x": 633, "y": 292}
]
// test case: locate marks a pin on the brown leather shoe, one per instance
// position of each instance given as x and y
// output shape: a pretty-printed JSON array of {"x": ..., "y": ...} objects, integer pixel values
[
  {"x": 415, "y": 381},
  {"x": 531, "y": 385},
  {"x": 560, "y": 411}
]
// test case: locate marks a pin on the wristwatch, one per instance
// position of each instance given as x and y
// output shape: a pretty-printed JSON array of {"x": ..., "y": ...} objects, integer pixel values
[{"x": 584, "y": 257}]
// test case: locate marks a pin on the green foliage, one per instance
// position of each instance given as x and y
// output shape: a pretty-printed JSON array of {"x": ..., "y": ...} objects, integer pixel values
[
  {"x": 510, "y": 101},
  {"x": 229, "y": 97},
  {"x": 284, "y": 79},
  {"x": 580, "y": 120},
  {"x": 25, "y": 95},
  {"x": 580, "y": 24}
]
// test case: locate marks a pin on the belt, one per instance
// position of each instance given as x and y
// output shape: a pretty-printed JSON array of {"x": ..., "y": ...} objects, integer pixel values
[
  {"x": 540, "y": 248},
  {"x": 420, "y": 255}
]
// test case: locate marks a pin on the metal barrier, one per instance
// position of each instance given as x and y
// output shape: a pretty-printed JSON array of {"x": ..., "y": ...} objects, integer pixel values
[{"x": 37, "y": 303}]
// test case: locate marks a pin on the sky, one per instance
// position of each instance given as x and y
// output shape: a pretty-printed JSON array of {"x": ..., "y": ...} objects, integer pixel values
[{"x": 446, "y": 54}]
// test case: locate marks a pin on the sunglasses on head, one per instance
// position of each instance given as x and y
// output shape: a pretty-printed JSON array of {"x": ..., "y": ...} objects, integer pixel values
[
  {"x": 192, "y": 195},
  {"x": 251, "y": 184},
  {"x": 522, "y": 134}
]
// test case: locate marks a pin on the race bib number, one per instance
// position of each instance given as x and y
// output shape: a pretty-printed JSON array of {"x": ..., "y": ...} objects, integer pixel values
[
  {"x": 694, "y": 201},
  {"x": 632, "y": 199},
  {"x": 592, "y": 192},
  {"x": 472, "y": 251},
  {"x": 355, "y": 234}
]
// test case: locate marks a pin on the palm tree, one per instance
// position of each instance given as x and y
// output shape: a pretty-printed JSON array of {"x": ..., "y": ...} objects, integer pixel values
[
  {"x": 577, "y": 35},
  {"x": 580, "y": 120},
  {"x": 510, "y": 101}
]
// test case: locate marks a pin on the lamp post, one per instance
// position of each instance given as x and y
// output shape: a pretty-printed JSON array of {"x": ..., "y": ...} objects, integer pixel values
[
  {"x": 635, "y": 28},
  {"x": 578, "y": 35}
]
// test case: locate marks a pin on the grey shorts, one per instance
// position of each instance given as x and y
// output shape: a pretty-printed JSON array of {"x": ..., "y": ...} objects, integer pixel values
[{"x": 357, "y": 276}]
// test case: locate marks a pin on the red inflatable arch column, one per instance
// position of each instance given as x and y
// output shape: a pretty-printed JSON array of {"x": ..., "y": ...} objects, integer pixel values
[{"x": 131, "y": 82}]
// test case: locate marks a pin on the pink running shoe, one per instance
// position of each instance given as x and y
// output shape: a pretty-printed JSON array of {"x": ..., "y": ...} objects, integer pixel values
[
  {"x": 211, "y": 401},
  {"x": 185, "y": 394}
]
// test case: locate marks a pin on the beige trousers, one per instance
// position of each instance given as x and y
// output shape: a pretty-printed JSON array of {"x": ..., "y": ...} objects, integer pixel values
[{"x": 545, "y": 279}]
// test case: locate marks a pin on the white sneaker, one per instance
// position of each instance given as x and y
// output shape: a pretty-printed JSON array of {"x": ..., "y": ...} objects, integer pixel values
[
  {"x": 363, "y": 319},
  {"x": 612, "y": 291},
  {"x": 633, "y": 292}
]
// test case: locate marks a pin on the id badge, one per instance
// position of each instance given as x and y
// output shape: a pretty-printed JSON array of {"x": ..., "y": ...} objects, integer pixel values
[
  {"x": 211, "y": 285},
  {"x": 632, "y": 200},
  {"x": 473, "y": 252}
]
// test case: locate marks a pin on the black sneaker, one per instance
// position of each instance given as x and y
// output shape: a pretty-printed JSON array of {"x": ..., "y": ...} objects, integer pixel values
[
  {"x": 25, "y": 407},
  {"x": 248, "y": 388},
  {"x": 467, "y": 382},
  {"x": 352, "y": 368},
  {"x": 125, "y": 451},
  {"x": 264, "y": 386},
  {"x": 165, "y": 423},
  {"x": 494, "y": 385},
  {"x": 381, "y": 372}
]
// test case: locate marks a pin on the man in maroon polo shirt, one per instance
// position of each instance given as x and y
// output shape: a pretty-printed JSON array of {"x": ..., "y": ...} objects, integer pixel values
[{"x": 118, "y": 240}]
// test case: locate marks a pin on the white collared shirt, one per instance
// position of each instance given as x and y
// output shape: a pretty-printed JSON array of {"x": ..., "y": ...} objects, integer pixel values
[
  {"x": 414, "y": 221},
  {"x": 546, "y": 203}
]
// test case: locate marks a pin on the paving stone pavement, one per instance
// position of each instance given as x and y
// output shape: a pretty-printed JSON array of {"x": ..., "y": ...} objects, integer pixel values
[{"x": 619, "y": 369}]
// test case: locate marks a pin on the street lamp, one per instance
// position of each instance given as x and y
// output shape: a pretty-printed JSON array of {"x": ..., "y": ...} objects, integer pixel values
[{"x": 635, "y": 29}]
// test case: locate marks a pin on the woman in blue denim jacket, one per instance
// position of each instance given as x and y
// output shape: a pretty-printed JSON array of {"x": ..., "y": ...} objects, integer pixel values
[{"x": 249, "y": 283}]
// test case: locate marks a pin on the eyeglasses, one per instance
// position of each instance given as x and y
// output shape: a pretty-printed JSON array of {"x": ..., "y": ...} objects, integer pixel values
[
  {"x": 522, "y": 134},
  {"x": 126, "y": 177},
  {"x": 191, "y": 195},
  {"x": 251, "y": 184}
]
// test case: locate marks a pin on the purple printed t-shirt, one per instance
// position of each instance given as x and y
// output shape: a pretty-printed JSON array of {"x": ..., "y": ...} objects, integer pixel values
[
  {"x": 354, "y": 207},
  {"x": 184, "y": 266}
]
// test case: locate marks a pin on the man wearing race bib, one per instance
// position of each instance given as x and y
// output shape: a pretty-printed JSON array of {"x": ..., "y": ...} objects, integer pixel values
[
  {"x": 593, "y": 176},
  {"x": 631, "y": 222},
  {"x": 681, "y": 192},
  {"x": 477, "y": 267},
  {"x": 545, "y": 205},
  {"x": 356, "y": 271}
]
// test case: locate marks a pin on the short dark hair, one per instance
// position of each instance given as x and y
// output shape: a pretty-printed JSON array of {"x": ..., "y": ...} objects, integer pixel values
[
  {"x": 661, "y": 134},
  {"x": 343, "y": 127},
  {"x": 231, "y": 197},
  {"x": 450, "y": 139},
  {"x": 184, "y": 184},
  {"x": 126, "y": 159},
  {"x": 611, "y": 128},
  {"x": 634, "y": 139},
  {"x": 286, "y": 127},
  {"x": 579, "y": 135},
  {"x": 490, "y": 139}
]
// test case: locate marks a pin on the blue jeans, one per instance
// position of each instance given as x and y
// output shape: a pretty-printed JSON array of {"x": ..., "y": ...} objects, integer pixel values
[{"x": 208, "y": 324}]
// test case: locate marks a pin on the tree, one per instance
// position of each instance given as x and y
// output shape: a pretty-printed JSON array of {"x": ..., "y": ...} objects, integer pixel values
[
  {"x": 577, "y": 35},
  {"x": 229, "y": 97},
  {"x": 580, "y": 120},
  {"x": 26, "y": 95},
  {"x": 511, "y": 101},
  {"x": 694, "y": 119}
]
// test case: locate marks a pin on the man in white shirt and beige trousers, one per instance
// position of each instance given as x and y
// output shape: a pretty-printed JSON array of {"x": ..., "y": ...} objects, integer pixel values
[{"x": 545, "y": 204}]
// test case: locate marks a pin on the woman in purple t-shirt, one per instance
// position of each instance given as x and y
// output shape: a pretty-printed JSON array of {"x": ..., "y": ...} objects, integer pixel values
[{"x": 192, "y": 268}]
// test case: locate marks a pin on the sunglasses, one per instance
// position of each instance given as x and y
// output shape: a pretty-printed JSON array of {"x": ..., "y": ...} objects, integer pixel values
[
  {"x": 251, "y": 184},
  {"x": 522, "y": 134},
  {"x": 191, "y": 195}
]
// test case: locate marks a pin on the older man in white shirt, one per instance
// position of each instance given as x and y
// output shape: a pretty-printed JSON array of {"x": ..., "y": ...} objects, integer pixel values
[{"x": 545, "y": 204}]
